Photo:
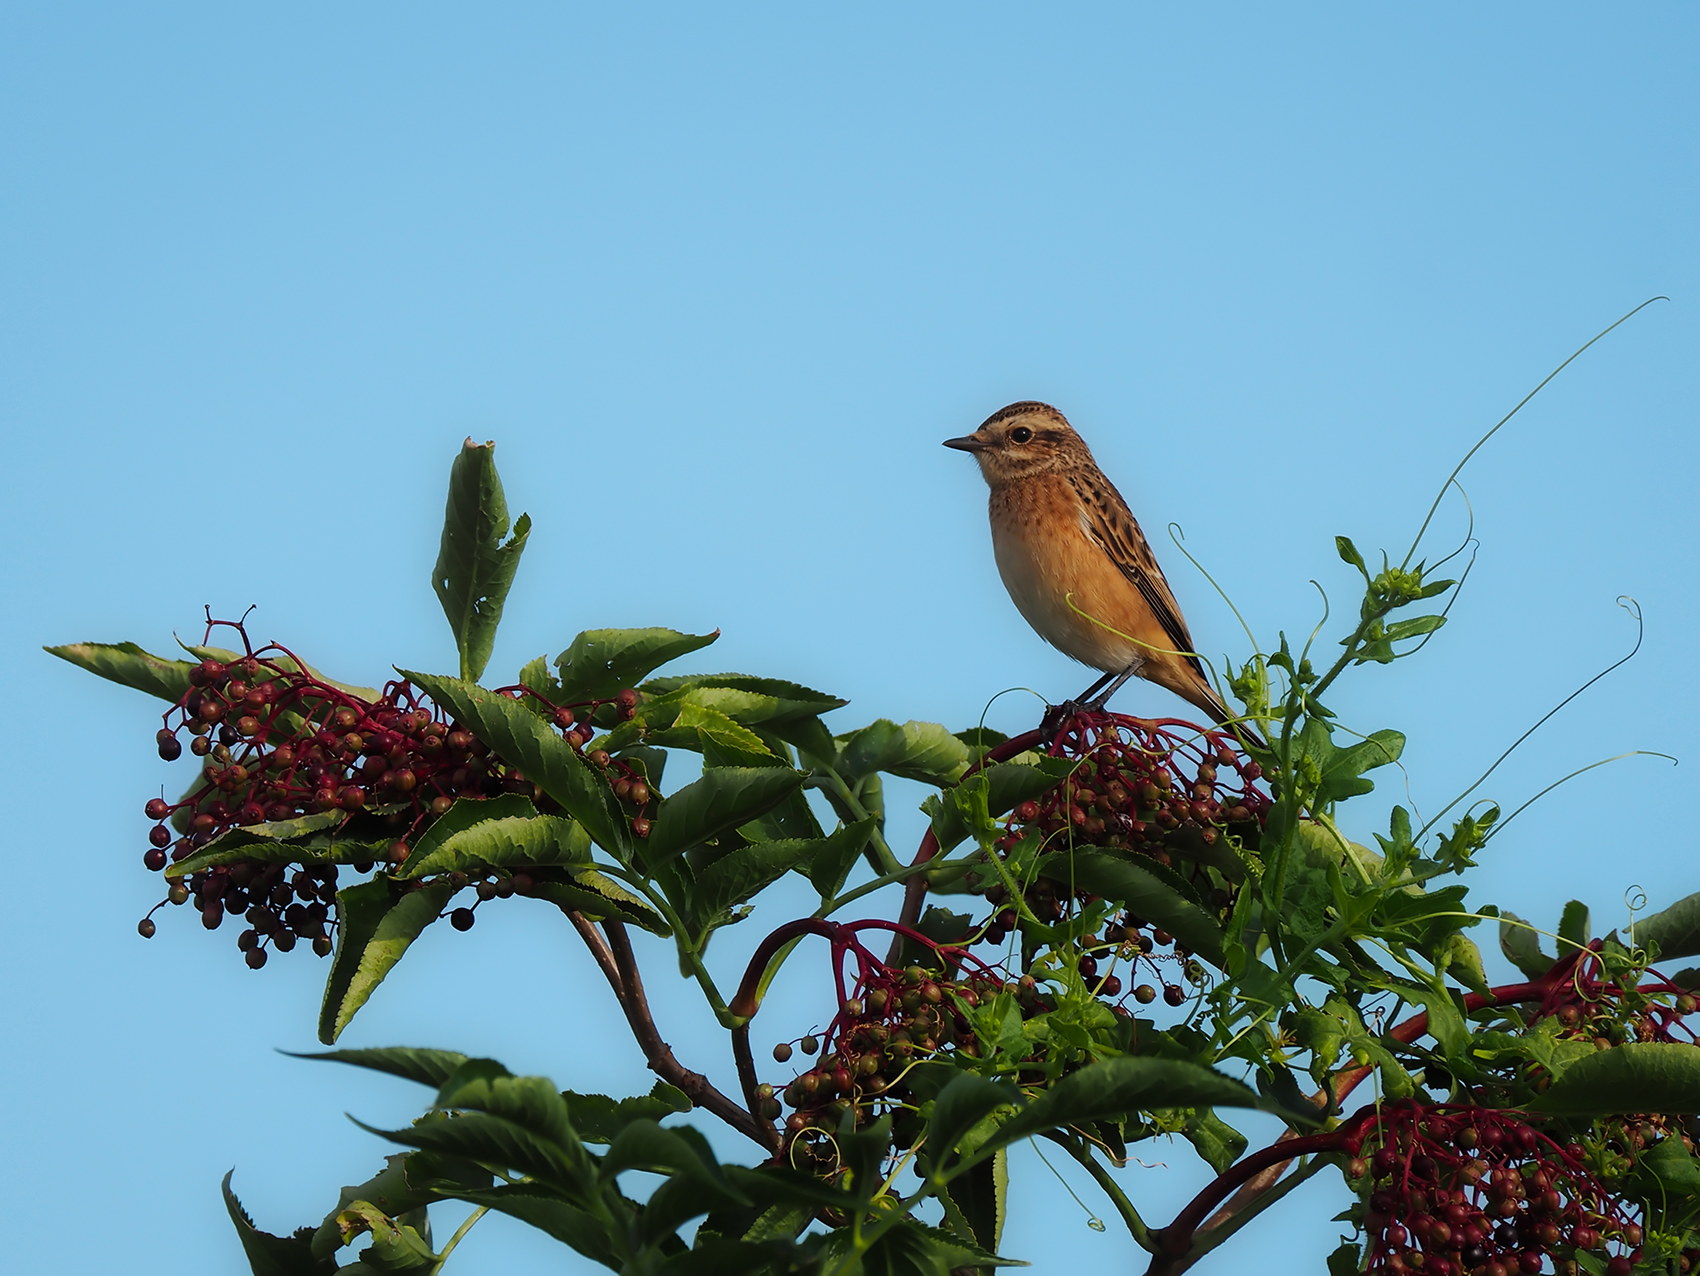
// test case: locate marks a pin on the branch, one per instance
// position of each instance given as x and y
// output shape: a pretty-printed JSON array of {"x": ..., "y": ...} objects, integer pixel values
[
  {"x": 747, "y": 1078},
  {"x": 1175, "y": 1241},
  {"x": 620, "y": 967},
  {"x": 598, "y": 949}
]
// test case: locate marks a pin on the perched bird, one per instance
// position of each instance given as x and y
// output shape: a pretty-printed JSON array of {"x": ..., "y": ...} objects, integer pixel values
[{"x": 1062, "y": 534}]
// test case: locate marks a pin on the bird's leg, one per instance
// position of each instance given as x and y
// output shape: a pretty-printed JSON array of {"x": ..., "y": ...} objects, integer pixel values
[
  {"x": 1056, "y": 713},
  {"x": 1103, "y": 697}
]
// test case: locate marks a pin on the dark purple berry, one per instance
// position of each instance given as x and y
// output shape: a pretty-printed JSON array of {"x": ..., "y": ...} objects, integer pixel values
[
  {"x": 145, "y": 928},
  {"x": 255, "y": 957},
  {"x": 154, "y": 859},
  {"x": 462, "y": 918}
]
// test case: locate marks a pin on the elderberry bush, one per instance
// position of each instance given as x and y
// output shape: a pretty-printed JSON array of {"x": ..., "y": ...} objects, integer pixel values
[{"x": 1115, "y": 930}]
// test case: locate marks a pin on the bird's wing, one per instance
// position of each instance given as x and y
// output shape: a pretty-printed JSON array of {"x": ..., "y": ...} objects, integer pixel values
[{"x": 1111, "y": 524}]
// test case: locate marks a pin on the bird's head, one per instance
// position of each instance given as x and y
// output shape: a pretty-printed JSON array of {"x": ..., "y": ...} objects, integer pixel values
[{"x": 1021, "y": 440}]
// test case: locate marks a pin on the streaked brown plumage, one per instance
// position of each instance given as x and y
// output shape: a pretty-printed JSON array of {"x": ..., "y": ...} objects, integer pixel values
[{"x": 1061, "y": 533}]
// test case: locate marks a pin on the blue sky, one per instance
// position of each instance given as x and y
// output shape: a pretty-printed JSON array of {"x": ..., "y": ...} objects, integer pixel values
[{"x": 718, "y": 283}]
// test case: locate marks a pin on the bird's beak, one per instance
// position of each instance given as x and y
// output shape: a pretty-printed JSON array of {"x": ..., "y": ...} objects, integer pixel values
[{"x": 968, "y": 443}]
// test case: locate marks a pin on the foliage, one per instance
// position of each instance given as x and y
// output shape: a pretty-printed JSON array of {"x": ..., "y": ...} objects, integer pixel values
[{"x": 1101, "y": 864}]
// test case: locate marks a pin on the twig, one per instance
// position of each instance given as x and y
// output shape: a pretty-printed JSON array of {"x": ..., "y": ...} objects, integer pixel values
[{"x": 620, "y": 966}]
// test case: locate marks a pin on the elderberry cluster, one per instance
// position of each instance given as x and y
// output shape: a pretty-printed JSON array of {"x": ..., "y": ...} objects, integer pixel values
[
  {"x": 1144, "y": 787},
  {"x": 1464, "y": 1191},
  {"x": 288, "y": 753},
  {"x": 897, "y": 1018},
  {"x": 1166, "y": 791}
]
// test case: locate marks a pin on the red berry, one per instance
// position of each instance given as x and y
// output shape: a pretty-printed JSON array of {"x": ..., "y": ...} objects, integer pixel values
[
  {"x": 351, "y": 798},
  {"x": 627, "y": 698},
  {"x": 157, "y": 808},
  {"x": 154, "y": 859},
  {"x": 640, "y": 827}
]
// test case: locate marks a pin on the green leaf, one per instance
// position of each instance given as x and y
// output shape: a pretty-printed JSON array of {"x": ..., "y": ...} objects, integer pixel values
[
  {"x": 600, "y": 897},
  {"x": 1415, "y": 627},
  {"x": 1522, "y": 945},
  {"x": 1217, "y": 1142},
  {"x": 1554, "y": 1053},
  {"x": 1672, "y": 1171},
  {"x": 1144, "y": 888},
  {"x": 644, "y": 1145},
  {"x": 836, "y": 855},
  {"x": 1675, "y": 932},
  {"x": 1573, "y": 927},
  {"x": 536, "y": 1204},
  {"x": 428, "y": 1067},
  {"x": 130, "y": 666},
  {"x": 961, "y": 1106},
  {"x": 599, "y": 1119},
  {"x": 703, "y": 729},
  {"x": 914, "y": 1249},
  {"x": 981, "y": 1193},
  {"x": 781, "y": 701},
  {"x": 1349, "y": 554},
  {"x": 500, "y": 1141},
  {"x": 719, "y": 802},
  {"x": 603, "y": 662},
  {"x": 249, "y": 844},
  {"x": 1008, "y": 785},
  {"x": 398, "y": 1192},
  {"x": 1115, "y": 1088},
  {"x": 524, "y": 740},
  {"x": 1343, "y": 769},
  {"x": 923, "y": 751},
  {"x": 1346, "y": 1260},
  {"x": 498, "y": 843},
  {"x": 288, "y": 663},
  {"x": 270, "y": 1255},
  {"x": 475, "y": 566},
  {"x": 1647, "y": 1076},
  {"x": 732, "y": 879},
  {"x": 396, "y": 1246},
  {"x": 376, "y": 922}
]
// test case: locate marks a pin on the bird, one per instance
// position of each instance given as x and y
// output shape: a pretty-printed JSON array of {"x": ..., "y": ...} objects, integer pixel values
[{"x": 1074, "y": 561}]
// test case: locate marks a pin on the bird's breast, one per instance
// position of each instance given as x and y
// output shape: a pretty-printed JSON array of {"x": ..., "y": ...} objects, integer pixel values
[{"x": 1047, "y": 560}]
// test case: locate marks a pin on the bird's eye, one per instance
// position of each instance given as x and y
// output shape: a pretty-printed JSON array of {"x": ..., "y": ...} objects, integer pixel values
[{"x": 1020, "y": 434}]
